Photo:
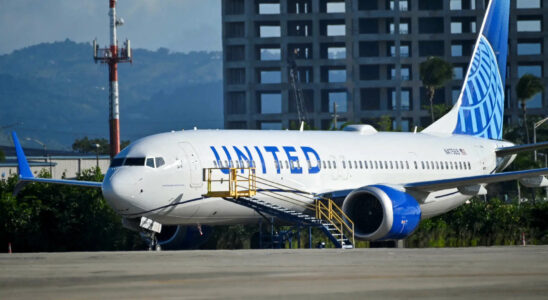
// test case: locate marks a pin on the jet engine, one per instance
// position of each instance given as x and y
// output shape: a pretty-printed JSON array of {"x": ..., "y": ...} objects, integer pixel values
[
  {"x": 381, "y": 212},
  {"x": 183, "y": 237}
]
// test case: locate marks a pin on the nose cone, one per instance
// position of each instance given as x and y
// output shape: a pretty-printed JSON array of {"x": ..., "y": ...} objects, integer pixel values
[{"x": 120, "y": 189}]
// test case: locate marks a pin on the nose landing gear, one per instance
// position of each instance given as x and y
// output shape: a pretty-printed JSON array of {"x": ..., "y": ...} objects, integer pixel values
[{"x": 151, "y": 228}]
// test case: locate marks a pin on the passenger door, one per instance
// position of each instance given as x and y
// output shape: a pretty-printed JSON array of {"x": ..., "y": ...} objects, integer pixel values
[{"x": 192, "y": 164}]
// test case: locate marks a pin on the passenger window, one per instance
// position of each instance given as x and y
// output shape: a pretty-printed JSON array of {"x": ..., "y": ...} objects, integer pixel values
[
  {"x": 385, "y": 164},
  {"x": 334, "y": 164},
  {"x": 324, "y": 165},
  {"x": 422, "y": 164},
  {"x": 365, "y": 164},
  {"x": 361, "y": 165},
  {"x": 391, "y": 166},
  {"x": 329, "y": 164},
  {"x": 355, "y": 164},
  {"x": 349, "y": 164},
  {"x": 376, "y": 165},
  {"x": 344, "y": 164},
  {"x": 407, "y": 164},
  {"x": 416, "y": 166},
  {"x": 150, "y": 162},
  {"x": 286, "y": 165}
]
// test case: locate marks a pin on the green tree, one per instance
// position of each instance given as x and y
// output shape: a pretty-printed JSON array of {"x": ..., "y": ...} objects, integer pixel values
[
  {"x": 86, "y": 145},
  {"x": 2, "y": 156},
  {"x": 434, "y": 74},
  {"x": 528, "y": 86}
]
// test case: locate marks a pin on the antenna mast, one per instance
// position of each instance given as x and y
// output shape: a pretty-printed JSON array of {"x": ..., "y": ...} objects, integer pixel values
[{"x": 112, "y": 56}]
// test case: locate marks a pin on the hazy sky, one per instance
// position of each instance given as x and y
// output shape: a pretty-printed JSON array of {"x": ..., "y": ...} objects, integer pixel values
[{"x": 179, "y": 25}]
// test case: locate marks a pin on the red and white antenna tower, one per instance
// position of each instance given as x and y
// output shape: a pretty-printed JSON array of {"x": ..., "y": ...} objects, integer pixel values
[{"x": 112, "y": 56}]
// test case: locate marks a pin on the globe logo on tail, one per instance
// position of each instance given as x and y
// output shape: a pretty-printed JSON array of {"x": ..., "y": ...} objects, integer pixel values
[{"x": 482, "y": 105}]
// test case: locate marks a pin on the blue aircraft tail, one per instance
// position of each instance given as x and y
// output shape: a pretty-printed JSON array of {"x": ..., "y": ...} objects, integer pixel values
[
  {"x": 480, "y": 107},
  {"x": 24, "y": 168}
]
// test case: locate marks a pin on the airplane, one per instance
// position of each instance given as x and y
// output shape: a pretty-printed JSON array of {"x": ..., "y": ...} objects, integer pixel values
[{"x": 386, "y": 182}]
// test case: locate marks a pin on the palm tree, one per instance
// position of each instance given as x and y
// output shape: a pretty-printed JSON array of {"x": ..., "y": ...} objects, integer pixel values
[
  {"x": 434, "y": 74},
  {"x": 528, "y": 86}
]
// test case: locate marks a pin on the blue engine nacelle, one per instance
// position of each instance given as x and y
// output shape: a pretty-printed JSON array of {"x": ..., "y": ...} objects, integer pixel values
[
  {"x": 382, "y": 213},
  {"x": 183, "y": 237}
]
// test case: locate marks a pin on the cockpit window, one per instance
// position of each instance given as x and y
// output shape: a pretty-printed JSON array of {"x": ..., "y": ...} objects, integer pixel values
[
  {"x": 134, "y": 161},
  {"x": 159, "y": 162},
  {"x": 150, "y": 162},
  {"x": 117, "y": 162}
]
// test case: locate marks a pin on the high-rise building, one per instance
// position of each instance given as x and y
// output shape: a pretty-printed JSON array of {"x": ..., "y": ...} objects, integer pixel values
[{"x": 363, "y": 57}]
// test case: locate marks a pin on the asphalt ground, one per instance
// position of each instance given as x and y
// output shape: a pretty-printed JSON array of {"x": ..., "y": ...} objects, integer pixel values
[{"x": 448, "y": 273}]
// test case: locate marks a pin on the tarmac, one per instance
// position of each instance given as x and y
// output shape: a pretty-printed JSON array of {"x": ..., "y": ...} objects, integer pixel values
[{"x": 446, "y": 273}]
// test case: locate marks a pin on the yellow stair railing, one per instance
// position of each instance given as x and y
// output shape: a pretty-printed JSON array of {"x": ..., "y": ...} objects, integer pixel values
[
  {"x": 332, "y": 213},
  {"x": 240, "y": 185},
  {"x": 234, "y": 188}
]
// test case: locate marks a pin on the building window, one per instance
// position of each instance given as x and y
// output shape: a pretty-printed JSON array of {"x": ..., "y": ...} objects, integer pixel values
[
  {"x": 335, "y": 75},
  {"x": 335, "y": 7},
  {"x": 267, "y": 54},
  {"x": 268, "y": 31},
  {"x": 336, "y": 30},
  {"x": 528, "y": 4},
  {"x": 455, "y": 4},
  {"x": 234, "y": 7},
  {"x": 236, "y": 103},
  {"x": 271, "y": 126},
  {"x": 235, "y": 53},
  {"x": 339, "y": 99},
  {"x": 431, "y": 25},
  {"x": 369, "y": 26},
  {"x": 455, "y": 93},
  {"x": 268, "y": 8},
  {"x": 458, "y": 72},
  {"x": 369, "y": 72},
  {"x": 370, "y": 99},
  {"x": 369, "y": 49},
  {"x": 336, "y": 52},
  {"x": 270, "y": 76},
  {"x": 405, "y": 99},
  {"x": 529, "y": 25},
  {"x": 235, "y": 76},
  {"x": 299, "y": 28},
  {"x": 270, "y": 103},
  {"x": 536, "y": 70},
  {"x": 405, "y": 73},
  {"x": 529, "y": 48},
  {"x": 299, "y": 6},
  {"x": 456, "y": 50},
  {"x": 456, "y": 27},
  {"x": 431, "y": 48},
  {"x": 235, "y": 29}
]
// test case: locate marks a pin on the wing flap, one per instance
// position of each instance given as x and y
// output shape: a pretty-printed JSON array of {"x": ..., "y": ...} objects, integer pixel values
[{"x": 436, "y": 185}]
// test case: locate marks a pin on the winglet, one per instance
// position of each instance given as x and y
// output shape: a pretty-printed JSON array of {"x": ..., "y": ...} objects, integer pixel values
[{"x": 24, "y": 169}]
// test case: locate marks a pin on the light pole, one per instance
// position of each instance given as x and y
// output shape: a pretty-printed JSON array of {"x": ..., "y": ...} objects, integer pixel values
[
  {"x": 537, "y": 124},
  {"x": 546, "y": 166},
  {"x": 45, "y": 153},
  {"x": 97, "y": 146}
]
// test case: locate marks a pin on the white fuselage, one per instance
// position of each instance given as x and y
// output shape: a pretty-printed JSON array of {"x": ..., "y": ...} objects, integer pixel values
[{"x": 312, "y": 161}]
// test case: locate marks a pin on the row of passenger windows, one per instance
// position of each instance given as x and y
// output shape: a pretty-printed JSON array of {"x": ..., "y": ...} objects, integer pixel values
[
  {"x": 358, "y": 164},
  {"x": 152, "y": 162}
]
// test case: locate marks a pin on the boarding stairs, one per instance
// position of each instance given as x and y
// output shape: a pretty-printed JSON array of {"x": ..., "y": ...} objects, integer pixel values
[{"x": 299, "y": 207}]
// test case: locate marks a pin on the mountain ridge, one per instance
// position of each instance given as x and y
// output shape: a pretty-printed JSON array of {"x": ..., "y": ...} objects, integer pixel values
[{"x": 58, "y": 93}]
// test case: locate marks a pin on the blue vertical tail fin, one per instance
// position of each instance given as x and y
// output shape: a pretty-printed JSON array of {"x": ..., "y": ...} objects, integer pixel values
[{"x": 480, "y": 106}]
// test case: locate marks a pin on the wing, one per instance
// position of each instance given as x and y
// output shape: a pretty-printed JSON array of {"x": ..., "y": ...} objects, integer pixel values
[
  {"x": 25, "y": 174},
  {"x": 516, "y": 149},
  {"x": 436, "y": 185}
]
